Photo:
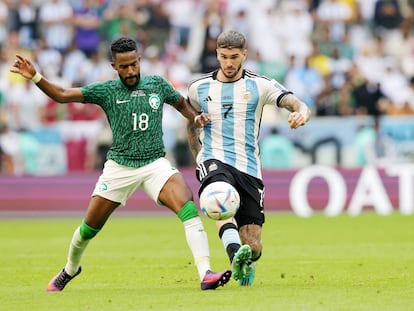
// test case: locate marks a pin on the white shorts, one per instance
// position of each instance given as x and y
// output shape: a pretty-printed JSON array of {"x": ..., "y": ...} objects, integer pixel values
[{"x": 117, "y": 182}]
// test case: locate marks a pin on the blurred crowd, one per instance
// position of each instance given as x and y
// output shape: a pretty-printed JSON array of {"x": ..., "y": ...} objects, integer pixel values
[{"x": 342, "y": 57}]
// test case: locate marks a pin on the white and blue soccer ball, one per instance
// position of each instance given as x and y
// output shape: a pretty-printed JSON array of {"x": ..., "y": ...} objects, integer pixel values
[{"x": 219, "y": 200}]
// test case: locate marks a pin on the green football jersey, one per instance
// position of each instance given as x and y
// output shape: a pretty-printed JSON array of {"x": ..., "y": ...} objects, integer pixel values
[{"x": 135, "y": 117}]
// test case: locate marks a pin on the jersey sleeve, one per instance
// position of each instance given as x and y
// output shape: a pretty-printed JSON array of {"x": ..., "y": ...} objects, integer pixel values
[
  {"x": 94, "y": 93},
  {"x": 274, "y": 91},
  {"x": 193, "y": 98},
  {"x": 171, "y": 95}
]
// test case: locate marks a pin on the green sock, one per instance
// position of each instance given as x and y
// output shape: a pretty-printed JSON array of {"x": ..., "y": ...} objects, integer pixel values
[{"x": 188, "y": 211}]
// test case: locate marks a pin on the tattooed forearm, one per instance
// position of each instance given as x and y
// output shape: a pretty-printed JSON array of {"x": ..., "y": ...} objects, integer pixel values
[
  {"x": 192, "y": 135},
  {"x": 292, "y": 103}
]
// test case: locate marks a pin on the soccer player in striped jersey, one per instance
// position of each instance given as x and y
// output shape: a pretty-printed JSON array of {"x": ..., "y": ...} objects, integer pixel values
[
  {"x": 226, "y": 149},
  {"x": 133, "y": 105}
]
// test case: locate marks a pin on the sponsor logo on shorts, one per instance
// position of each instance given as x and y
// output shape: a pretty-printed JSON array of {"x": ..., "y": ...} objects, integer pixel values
[{"x": 212, "y": 167}]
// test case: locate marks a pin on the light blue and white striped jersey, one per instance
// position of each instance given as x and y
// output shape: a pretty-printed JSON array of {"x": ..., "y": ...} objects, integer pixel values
[{"x": 235, "y": 110}]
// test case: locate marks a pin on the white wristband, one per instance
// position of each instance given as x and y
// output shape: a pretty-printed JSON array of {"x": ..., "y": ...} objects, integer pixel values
[
  {"x": 37, "y": 77},
  {"x": 196, "y": 117}
]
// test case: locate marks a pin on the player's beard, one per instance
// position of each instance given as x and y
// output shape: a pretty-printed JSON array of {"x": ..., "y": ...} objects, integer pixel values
[
  {"x": 231, "y": 76},
  {"x": 127, "y": 81}
]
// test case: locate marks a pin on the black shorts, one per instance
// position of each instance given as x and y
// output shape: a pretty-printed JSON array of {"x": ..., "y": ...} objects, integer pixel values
[{"x": 250, "y": 189}]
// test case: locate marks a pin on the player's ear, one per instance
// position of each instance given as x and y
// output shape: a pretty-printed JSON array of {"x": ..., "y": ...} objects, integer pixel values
[{"x": 244, "y": 52}]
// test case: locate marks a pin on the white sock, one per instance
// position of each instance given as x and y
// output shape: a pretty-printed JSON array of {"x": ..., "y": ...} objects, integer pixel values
[
  {"x": 230, "y": 236},
  {"x": 198, "y": 243},
  {"x": 76, "y": 249}
]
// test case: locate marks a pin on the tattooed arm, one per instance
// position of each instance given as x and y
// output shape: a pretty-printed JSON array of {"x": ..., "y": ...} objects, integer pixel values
[
  {"x": 193, "y": 133},
  {"x": 300, "y": 112}
]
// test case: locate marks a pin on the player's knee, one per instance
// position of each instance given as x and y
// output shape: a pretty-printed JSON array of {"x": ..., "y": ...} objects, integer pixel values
[{"x": 87, "y": 232}]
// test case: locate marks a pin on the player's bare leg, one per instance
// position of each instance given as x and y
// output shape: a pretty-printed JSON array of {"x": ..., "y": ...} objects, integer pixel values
[{"x": 251, "y": 236}]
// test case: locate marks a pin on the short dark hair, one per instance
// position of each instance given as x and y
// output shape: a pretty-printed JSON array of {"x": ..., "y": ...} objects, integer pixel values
[
  {"x": 231, "y": 39},
  {"x": 122, "y": 45}
]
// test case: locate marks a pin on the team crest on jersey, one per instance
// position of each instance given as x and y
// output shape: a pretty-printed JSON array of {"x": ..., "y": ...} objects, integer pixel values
[
  {"x": 103, "y": 187},
  {"x": 212, "y": 167},
  {"x": 154, "y": 101},
  {"x": 247, "y": 96}
]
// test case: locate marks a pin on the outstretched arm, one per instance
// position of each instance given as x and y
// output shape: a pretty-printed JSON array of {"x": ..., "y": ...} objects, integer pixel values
[
  {"x": 300, "y": 112},
  {"x": 25, "y": 68}
]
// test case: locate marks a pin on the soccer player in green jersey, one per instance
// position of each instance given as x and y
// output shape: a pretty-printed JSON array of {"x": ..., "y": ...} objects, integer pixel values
[{"x": 133, "y": 105}]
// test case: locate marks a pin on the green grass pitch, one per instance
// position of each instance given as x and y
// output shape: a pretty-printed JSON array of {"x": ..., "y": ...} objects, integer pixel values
[{"x": 143, "y": 263}]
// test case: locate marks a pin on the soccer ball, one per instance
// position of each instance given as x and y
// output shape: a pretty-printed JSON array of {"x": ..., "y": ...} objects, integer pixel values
[{"x": 219, "y": 200}]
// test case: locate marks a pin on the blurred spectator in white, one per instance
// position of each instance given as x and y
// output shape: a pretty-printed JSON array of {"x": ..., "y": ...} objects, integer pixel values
[
  {"x": 295, "y": 26},
  {"x": 4, "y": 15},
  {"x": 264, "y": 25},
  {"x": 340, "y": 67},
  {"x": 252, "y": 62},
  {"x": 171, "y": 124},
  {"x": 11, "y": 157},
  {"x": 360, "y": 31},
  {"x": 366, "y": 9},
  {"x": 336, "y": 14},
  {"x": 392, "y": 80},
  {"x": 28, "y": 23},
  {"x": 56, "y": 23},
  {"x": 370, "y": 59},
  {"x": 404, "y": 100},
  {"x": 177, "y": 71},
  {"x": 181, "y": 17},
  {"x": 49, "y": 59},
  {"x": 25, "y": 104},
  {"x": 402, "y": 47},
  {"x": 72, "y": 65},
  {"x": 97, "y": 67},
  {"x": 237, "y": 17},
  {"x": 87, "y": 23},
  {"x": 151, "y": 62}
]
